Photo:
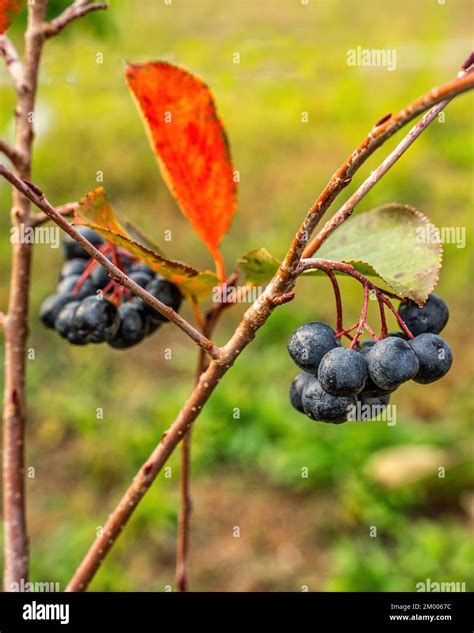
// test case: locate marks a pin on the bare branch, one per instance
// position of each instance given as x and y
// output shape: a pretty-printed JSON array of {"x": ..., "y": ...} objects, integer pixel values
[
  {"x": 65, "y": 210},
  {"x": 36, "y": 196},
  {"x": 377, "y": 174},
  {"x": 13, "y": 155},
  {"x": 12, "y": 60},
  {"x": 77, "y": 9}
]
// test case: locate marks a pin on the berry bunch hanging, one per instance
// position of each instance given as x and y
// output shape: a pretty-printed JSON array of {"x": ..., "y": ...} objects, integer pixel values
[
  {"x": 335, "y": 379},
  {"x": 89, "y": 307}
]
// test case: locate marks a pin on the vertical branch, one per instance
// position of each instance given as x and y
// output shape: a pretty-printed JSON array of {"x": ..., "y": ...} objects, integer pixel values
[
  {"x": 182, "y": 543},
  {"x": 16, "y": 321}
]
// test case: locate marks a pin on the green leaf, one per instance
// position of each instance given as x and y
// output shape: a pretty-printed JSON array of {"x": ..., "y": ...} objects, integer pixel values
[
  {"x": 95, "y": 212},
  {"x": 258, "y": 265},
  {"x": 393, "y": 243}
]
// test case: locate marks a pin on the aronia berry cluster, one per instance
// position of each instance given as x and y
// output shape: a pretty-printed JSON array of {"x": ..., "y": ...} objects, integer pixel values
[
  {"x": 89, "y": 307},
  {"x": 335, "y": 379}
]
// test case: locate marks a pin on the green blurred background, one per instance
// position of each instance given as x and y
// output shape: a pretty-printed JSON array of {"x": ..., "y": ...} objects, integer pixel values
[{"x": 295, "y": 531}]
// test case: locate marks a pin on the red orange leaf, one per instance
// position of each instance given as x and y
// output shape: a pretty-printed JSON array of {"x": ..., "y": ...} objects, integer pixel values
[
  {"x": 8, "y": 10},
  {"x": 190, "y": 144}
]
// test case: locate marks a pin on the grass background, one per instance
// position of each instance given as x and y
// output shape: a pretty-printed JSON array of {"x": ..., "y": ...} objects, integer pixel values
[{"x": 295, "y": 531}]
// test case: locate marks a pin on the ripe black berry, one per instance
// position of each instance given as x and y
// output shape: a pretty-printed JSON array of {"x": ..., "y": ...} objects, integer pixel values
[
  {"x": 309, "y": 343},
  {"x": 51, "y": 307},
  {"x": 140, "y": 267},
  {"x": 432, "y": 317},
  {"x": 64, "y": 323},
  {"x": 391, "y": 362},
  {"x": 72, "y": 249},
  {"x": 434, "y": 356},
  {"x": 99, "y": 277},
  {"x": 74, "y": 266},
  {"x": 166, "y": 292},
  {"x": 140, "y": 278},
  {"x": 132, "y": 328},
  {"x": 342, "y": 372},
  {"x": 320, "y": 405},
  {"x": 96, "y": 320},
  {"x": 296, "y": 390},
  {"x": 67, "y": 285}
]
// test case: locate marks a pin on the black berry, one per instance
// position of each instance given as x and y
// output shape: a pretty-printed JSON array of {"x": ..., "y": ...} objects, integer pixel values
[
  {"x": 309, "y": 343},
  {"x": 320, "y": 405},
  {"x": 74, "y": 266},
  {"x": 51, "y": 307},
  {"x": 434, "y": 356},
  {"x": 72, "y": 249},
  {"x": 296, "y": 390},
  {"x": 132, "y": 328},
  {"x": 391, "y": 362},
  {"x": 432, "y": 317},
  {"x": 342, "y": 372},
  {"x": 166, "y": 292},
  {"x": 96, "y": 320}
]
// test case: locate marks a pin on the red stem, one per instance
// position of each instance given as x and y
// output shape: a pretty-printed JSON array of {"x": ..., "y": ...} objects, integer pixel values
[{"x": 337, "y": 296}]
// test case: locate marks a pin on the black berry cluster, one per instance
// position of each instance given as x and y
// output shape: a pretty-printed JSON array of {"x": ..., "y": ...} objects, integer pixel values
[
  {"x": 89, "y": 307},
  {"x": 335, "y": 379}
]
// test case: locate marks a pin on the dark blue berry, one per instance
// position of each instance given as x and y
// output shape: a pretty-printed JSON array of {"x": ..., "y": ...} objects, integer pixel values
[
  {"x": 391, "y": 362},
  {"x": 434, "y": 356},
  {"x": 67, "y": 285},
  {"x": 96, "y": 320},
  {"x": 342, "y": 372},
  {"x": 432, "y": 317},
  {"x": 309, "y": 343},
  {"x": 320, "y": 405},
  {"x": 140, "y": 267},
  {"x": 64, "y": 323},
  {"x": 140, "y": 278},
  {"x": 132, "y": 328},
  {"x": 74, "y": 266},
  {"x": 296, "y": 390},
  {"x": 51, "y": 307},
  {"x": 72, "y": 249},
  {"x": 166, "y": 292}
]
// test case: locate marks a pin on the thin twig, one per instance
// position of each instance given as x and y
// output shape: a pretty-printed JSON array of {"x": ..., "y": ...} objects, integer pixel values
[
  {"x": 76, "y": 10},
  {"x": 337, "y": 297},
  {"x": 66, "y": 210},
  {"x": 346, "y": 210},
  {"x": 36, "y": 196},
  {"x": 258, "y": 313},
  {"x": 13, "y": 155}
]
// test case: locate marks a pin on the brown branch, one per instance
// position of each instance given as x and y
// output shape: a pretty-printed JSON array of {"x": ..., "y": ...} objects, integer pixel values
[
  {"x": 377, "y": 174},
  {"x": 282, "y": 284},
  {"x": 382, "y": 130},
  {"x": 14, "y": 65},
  {"x": 65, "y": 210},
  {"x": 14, "y": 156},
  {"x": 36, "y": 196},
  {"x": 16, "y": 322},
  {"x": 77, "y": 9}
]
